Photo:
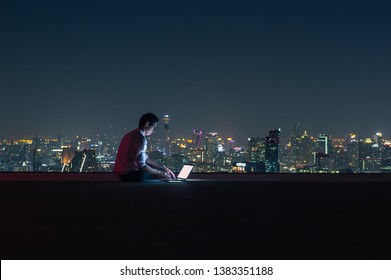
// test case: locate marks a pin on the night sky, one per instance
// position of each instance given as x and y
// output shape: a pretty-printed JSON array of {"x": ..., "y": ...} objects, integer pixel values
[{"x": 234, "y": 67}]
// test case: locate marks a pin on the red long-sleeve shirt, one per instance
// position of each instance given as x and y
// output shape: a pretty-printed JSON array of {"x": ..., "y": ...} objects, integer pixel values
[{"x": 131, "y": 152}]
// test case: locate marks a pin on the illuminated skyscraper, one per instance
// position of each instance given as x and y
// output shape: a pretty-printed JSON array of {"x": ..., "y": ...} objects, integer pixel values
[
  {"x": 378, "y": 137},
  {"x": 256, "y": 149},
  {"x": 197, "y": 138},
  {"x": 301, "y": 147},
  {"x": 272, "y": 152},
  {"x": 353, "y": 151},
  {"x": 323, "y": 154},
  {"x": 166, "y": 137},
  {"x": 60, "y": 140},
  {"x": 230, "y": 146},
  {"x": 370, "y": 155},
  {"x": 38, "y": 154},
  {"x": 324, "y": 144},
  {"x": 211, "y": 146},
  {"x": 84, "y": 161},
  {"x": 296, "y": 135},
  {"x": 386, "y": 157}
]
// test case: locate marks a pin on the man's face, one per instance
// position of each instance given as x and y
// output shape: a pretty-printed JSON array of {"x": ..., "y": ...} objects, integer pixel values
[{"x": 150, "y": 128}]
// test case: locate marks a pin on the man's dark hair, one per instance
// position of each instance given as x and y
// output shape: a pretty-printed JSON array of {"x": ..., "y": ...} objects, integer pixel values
[{"x": 148, "y": 117}]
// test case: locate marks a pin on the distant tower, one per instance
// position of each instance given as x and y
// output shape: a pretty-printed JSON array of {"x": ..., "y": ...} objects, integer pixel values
[
  {"x": 197, "y": 138},
  {"x": 296, "y": 137},
  {"x": 166, "y": 138},
  {"x": 256, "y": 149},
  {"x": 211, "y": 146},
  {"x": 322, "y": 156},
  {"x": 230, "y": 146},
  {"x": 379, "y": 138},
  {"x": 353, "y": 145},
  {"x": 60, "y": 140},
  {"x": 37, "y": 156},
  {"x": 272, "y": 153},
  {"x": 84, "y": 161},
  {"x": 324, "y": 143}
]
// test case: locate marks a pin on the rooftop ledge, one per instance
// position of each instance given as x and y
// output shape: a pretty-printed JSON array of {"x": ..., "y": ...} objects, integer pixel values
[{"x": 267, "y": 177}]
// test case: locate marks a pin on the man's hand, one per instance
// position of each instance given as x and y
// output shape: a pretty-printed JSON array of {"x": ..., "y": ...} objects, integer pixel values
[{"x": 168, "y": 173}]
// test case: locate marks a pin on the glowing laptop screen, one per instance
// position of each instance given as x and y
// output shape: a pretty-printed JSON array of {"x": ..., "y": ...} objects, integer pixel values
[{"x": 186, "y": 169}]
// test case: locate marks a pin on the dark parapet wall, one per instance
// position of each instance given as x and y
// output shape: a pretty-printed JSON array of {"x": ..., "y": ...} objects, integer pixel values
[{"x": 208, "y": 218}]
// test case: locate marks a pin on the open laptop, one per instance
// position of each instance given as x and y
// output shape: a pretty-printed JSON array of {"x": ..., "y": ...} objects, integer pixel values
[{"x": 183, "y": 174}]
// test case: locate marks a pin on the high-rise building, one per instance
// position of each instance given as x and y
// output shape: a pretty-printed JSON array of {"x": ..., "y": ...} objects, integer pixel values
[
  {"x": 386, "y": 157},
  {"x": 176, "y": 162},
  {"x": 84, "y": 161},
  {"x": 166, "y": 136},
  {"x": 198, "y": 155},
  {"x": 379, "y": 139},
  {"x": 386, "y": 151},
  {"x": 60, "y": 140},
  {"x": 293, "y": 147},
  {"x": 211, "y": 146},
  {"x": 305, "y": 149},
  {"x": 324, "y": 144},
  {"x": 353, "y": 152},
  {"x": 197, "y": 138},
  {"x": 256, "y": 149},
  {"x": 229, "y": 146},
  {"x": 299, "y": 151},
  {"x": 38, "y": 154},
  {"x": 272, "y": 153},
  {"x": 370, "y": 156},
  {"x": 341, "y": 160},
  {"x": 323, "y": 160}
]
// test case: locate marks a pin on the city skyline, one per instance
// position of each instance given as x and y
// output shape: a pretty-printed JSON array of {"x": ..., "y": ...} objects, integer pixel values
[
  {"x": 207, "y": 152},
  {"x": 160, "y": 134},
  {"x": 242, "y": 68}
]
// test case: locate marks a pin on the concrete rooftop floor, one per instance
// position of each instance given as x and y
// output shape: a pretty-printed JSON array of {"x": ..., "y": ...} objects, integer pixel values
[{"x": 96, "y": 216}]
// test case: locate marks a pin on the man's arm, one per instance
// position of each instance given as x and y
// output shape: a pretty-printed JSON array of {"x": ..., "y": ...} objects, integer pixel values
[
  {"x": 152, "y": 170},
  {"x": 154, "y": 164},
  {"x": 160, "y": 168}
]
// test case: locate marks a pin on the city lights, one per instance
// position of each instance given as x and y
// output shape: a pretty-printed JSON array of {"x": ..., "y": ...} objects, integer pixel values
[{"x": 294, "y": 152}]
